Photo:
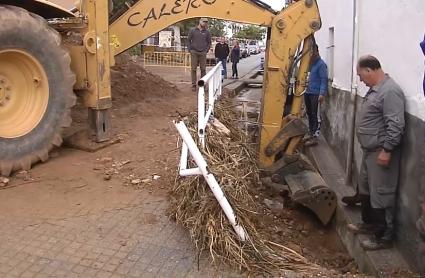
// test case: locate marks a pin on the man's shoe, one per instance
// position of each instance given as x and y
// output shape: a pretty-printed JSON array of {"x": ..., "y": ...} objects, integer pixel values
[
  {"x": 193, "y": 87},
  {"x": 311, "y": 142},
  {"x": 351, "y": 201},
  {"x": 373, "y": 244},
  {"x": 363, "y": 228},
  {"x": 306, "y": 138}
]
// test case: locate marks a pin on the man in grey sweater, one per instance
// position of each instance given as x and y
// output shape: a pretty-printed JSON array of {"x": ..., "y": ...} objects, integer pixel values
[
  {"x": 380, "y": 127},
  {"x": 199, "y": 44}
]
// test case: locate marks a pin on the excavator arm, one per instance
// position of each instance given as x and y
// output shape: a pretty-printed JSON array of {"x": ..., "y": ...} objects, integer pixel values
[
  {"x": 289, "y": 45},
  {"x": 147, "y": 18},
  {"x": 288, "y": 30}
]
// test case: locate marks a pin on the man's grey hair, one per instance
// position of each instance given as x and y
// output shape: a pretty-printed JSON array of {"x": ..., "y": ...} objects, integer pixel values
[{"x": 369, "y": 61}]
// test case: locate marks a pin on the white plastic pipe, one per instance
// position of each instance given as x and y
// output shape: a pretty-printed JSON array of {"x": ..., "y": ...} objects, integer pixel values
[
  {"x": 213, "y": 79},
  {"x": 183, "y": 157},
  {"x": 210, "y": 179},
  {"x": 201, "y": 116},
  {"x": 190, "y": 172}
]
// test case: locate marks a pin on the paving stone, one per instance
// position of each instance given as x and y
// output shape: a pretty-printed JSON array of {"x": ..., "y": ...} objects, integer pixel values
[
  {"x": 60, "y": 273},
  {"x": 110, "y": 267},
  {"x": 35, "y": 268},
  {"x": 107, "y": 244},
  {"x": 103, "y": 274},
  {"x": 79, "y": 269},
  {"x": 27, "y": 274},
  {"x": 90, "y": 272},
  {"x": 97, "y": 265}
]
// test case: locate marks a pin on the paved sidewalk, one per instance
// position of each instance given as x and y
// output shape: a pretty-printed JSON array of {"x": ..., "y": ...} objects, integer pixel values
[{"x": 136, "y": 240}]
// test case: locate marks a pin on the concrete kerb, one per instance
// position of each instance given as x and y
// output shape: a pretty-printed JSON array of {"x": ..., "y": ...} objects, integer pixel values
[{"x": 235, "y": 86}]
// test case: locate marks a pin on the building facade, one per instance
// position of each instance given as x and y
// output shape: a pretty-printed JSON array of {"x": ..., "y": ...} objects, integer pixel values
[{"x": 391, "y": 30}]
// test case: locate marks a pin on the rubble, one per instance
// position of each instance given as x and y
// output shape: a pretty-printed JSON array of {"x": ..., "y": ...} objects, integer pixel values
[
  {"x": 274, "y": 205},
  {"x": 4, "y": 181},
  {"x": 136, "y": 181},
  {"x": 23, "y": 175}
]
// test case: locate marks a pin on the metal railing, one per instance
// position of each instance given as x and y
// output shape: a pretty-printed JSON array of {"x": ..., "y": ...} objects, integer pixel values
[
  {"x": 171, "y": 59},
  {"x": 213, "y": 82},
  {"x": 166, "y": 59}
]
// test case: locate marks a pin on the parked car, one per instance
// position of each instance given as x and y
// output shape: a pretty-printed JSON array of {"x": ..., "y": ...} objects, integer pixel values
[
  {"x": 244, "y": 50},
  {"x": 253, "y": 47},
  {"x": 262, "y": 48},
  {"x": 211, "y": 55}
]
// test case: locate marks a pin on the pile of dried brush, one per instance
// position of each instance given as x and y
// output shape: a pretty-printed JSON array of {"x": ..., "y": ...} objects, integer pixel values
[{"x": 233, "y": 162}]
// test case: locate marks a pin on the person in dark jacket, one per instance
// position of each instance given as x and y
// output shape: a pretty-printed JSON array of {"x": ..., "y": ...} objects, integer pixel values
[
  {"x": 234, "y": 58},
  {"x": 199, "y": 39},
  {"x": 221, "y": 52},
  {"x": 316, "y": 91}
]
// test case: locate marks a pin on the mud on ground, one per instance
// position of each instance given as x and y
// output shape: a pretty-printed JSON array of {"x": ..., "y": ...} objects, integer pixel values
[{"x": 146, "y": 159}]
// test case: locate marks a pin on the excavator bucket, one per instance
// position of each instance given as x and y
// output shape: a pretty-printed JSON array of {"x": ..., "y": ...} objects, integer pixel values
[
  {"x": 309, "y": 189},
  {"x": 304, "y": 185}
]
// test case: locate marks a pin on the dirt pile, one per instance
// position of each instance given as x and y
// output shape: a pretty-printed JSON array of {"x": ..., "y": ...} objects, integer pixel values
[
  {"x": 135, "y": 92},
  {"x": 131, "y": 83}
]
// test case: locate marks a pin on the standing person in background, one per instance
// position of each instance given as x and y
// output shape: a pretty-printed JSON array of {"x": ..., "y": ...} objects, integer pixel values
[
  {"x": 315, "y": 94},
  {"x": 234, "y": 58},
  {"x": 222, "y": 52},
  {"x": 199, "y": 40}
]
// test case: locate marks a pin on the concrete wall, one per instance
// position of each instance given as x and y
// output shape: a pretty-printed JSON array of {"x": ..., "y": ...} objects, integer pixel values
[
  {"x": 335, "y": 128},
  {"x": 390, "y": 30}
]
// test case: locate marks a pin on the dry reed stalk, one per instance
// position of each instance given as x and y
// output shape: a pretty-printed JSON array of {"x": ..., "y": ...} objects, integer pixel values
[{"x": 233, "y": 162}]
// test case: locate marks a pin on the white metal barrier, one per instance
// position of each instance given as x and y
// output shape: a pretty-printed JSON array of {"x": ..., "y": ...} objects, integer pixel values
[
  {"x": 189, "y": 145},
  {"x": 213, "y": 81}
]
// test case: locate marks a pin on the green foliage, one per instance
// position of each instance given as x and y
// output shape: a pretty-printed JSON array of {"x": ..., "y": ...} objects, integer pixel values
[
  {"x": 186, "y": 25},
  {"x": 251, "y": 32},
  {"x": 217, "y": 28},
  {"x": 118, "y": 5}
]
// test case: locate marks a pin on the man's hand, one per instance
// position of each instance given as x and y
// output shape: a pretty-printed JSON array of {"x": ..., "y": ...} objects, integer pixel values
[
  {"x": 321, "y": 99},
  {"x": 384, "y": 159}
]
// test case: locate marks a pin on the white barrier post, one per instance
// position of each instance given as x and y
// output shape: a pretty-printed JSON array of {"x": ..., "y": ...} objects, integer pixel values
[
  {"x": 201, "y": 115},
  {"x": 210, "y": 179},
  {"x": 213, "y": 80}
]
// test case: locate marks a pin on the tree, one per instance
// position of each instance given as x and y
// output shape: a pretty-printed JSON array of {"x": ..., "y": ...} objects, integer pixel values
[
  {"x": 217, "y": 28},
  {"x": 186, "y": 25},
  {"x": 251, "y": 32},
  {"x": 119, "y": 7}
]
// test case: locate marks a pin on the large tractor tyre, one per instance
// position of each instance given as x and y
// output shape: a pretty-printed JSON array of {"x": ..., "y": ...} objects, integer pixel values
[{"x": 36, "y": 92}]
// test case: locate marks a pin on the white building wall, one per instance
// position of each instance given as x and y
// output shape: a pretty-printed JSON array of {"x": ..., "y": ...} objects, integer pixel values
[
  {"x": 388, "y": 29},
  {"x": 337, "y": 15}
]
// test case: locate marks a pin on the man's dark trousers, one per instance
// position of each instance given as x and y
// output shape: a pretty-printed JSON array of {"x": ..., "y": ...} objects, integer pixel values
[
  {"x": 198, "y": 59},
  {"x": 224, "y": 65},
  {"x": 312, "y": 104}
]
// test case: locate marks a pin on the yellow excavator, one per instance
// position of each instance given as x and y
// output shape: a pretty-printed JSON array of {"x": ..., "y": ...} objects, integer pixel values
[{"x": 52, "y": 53}]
